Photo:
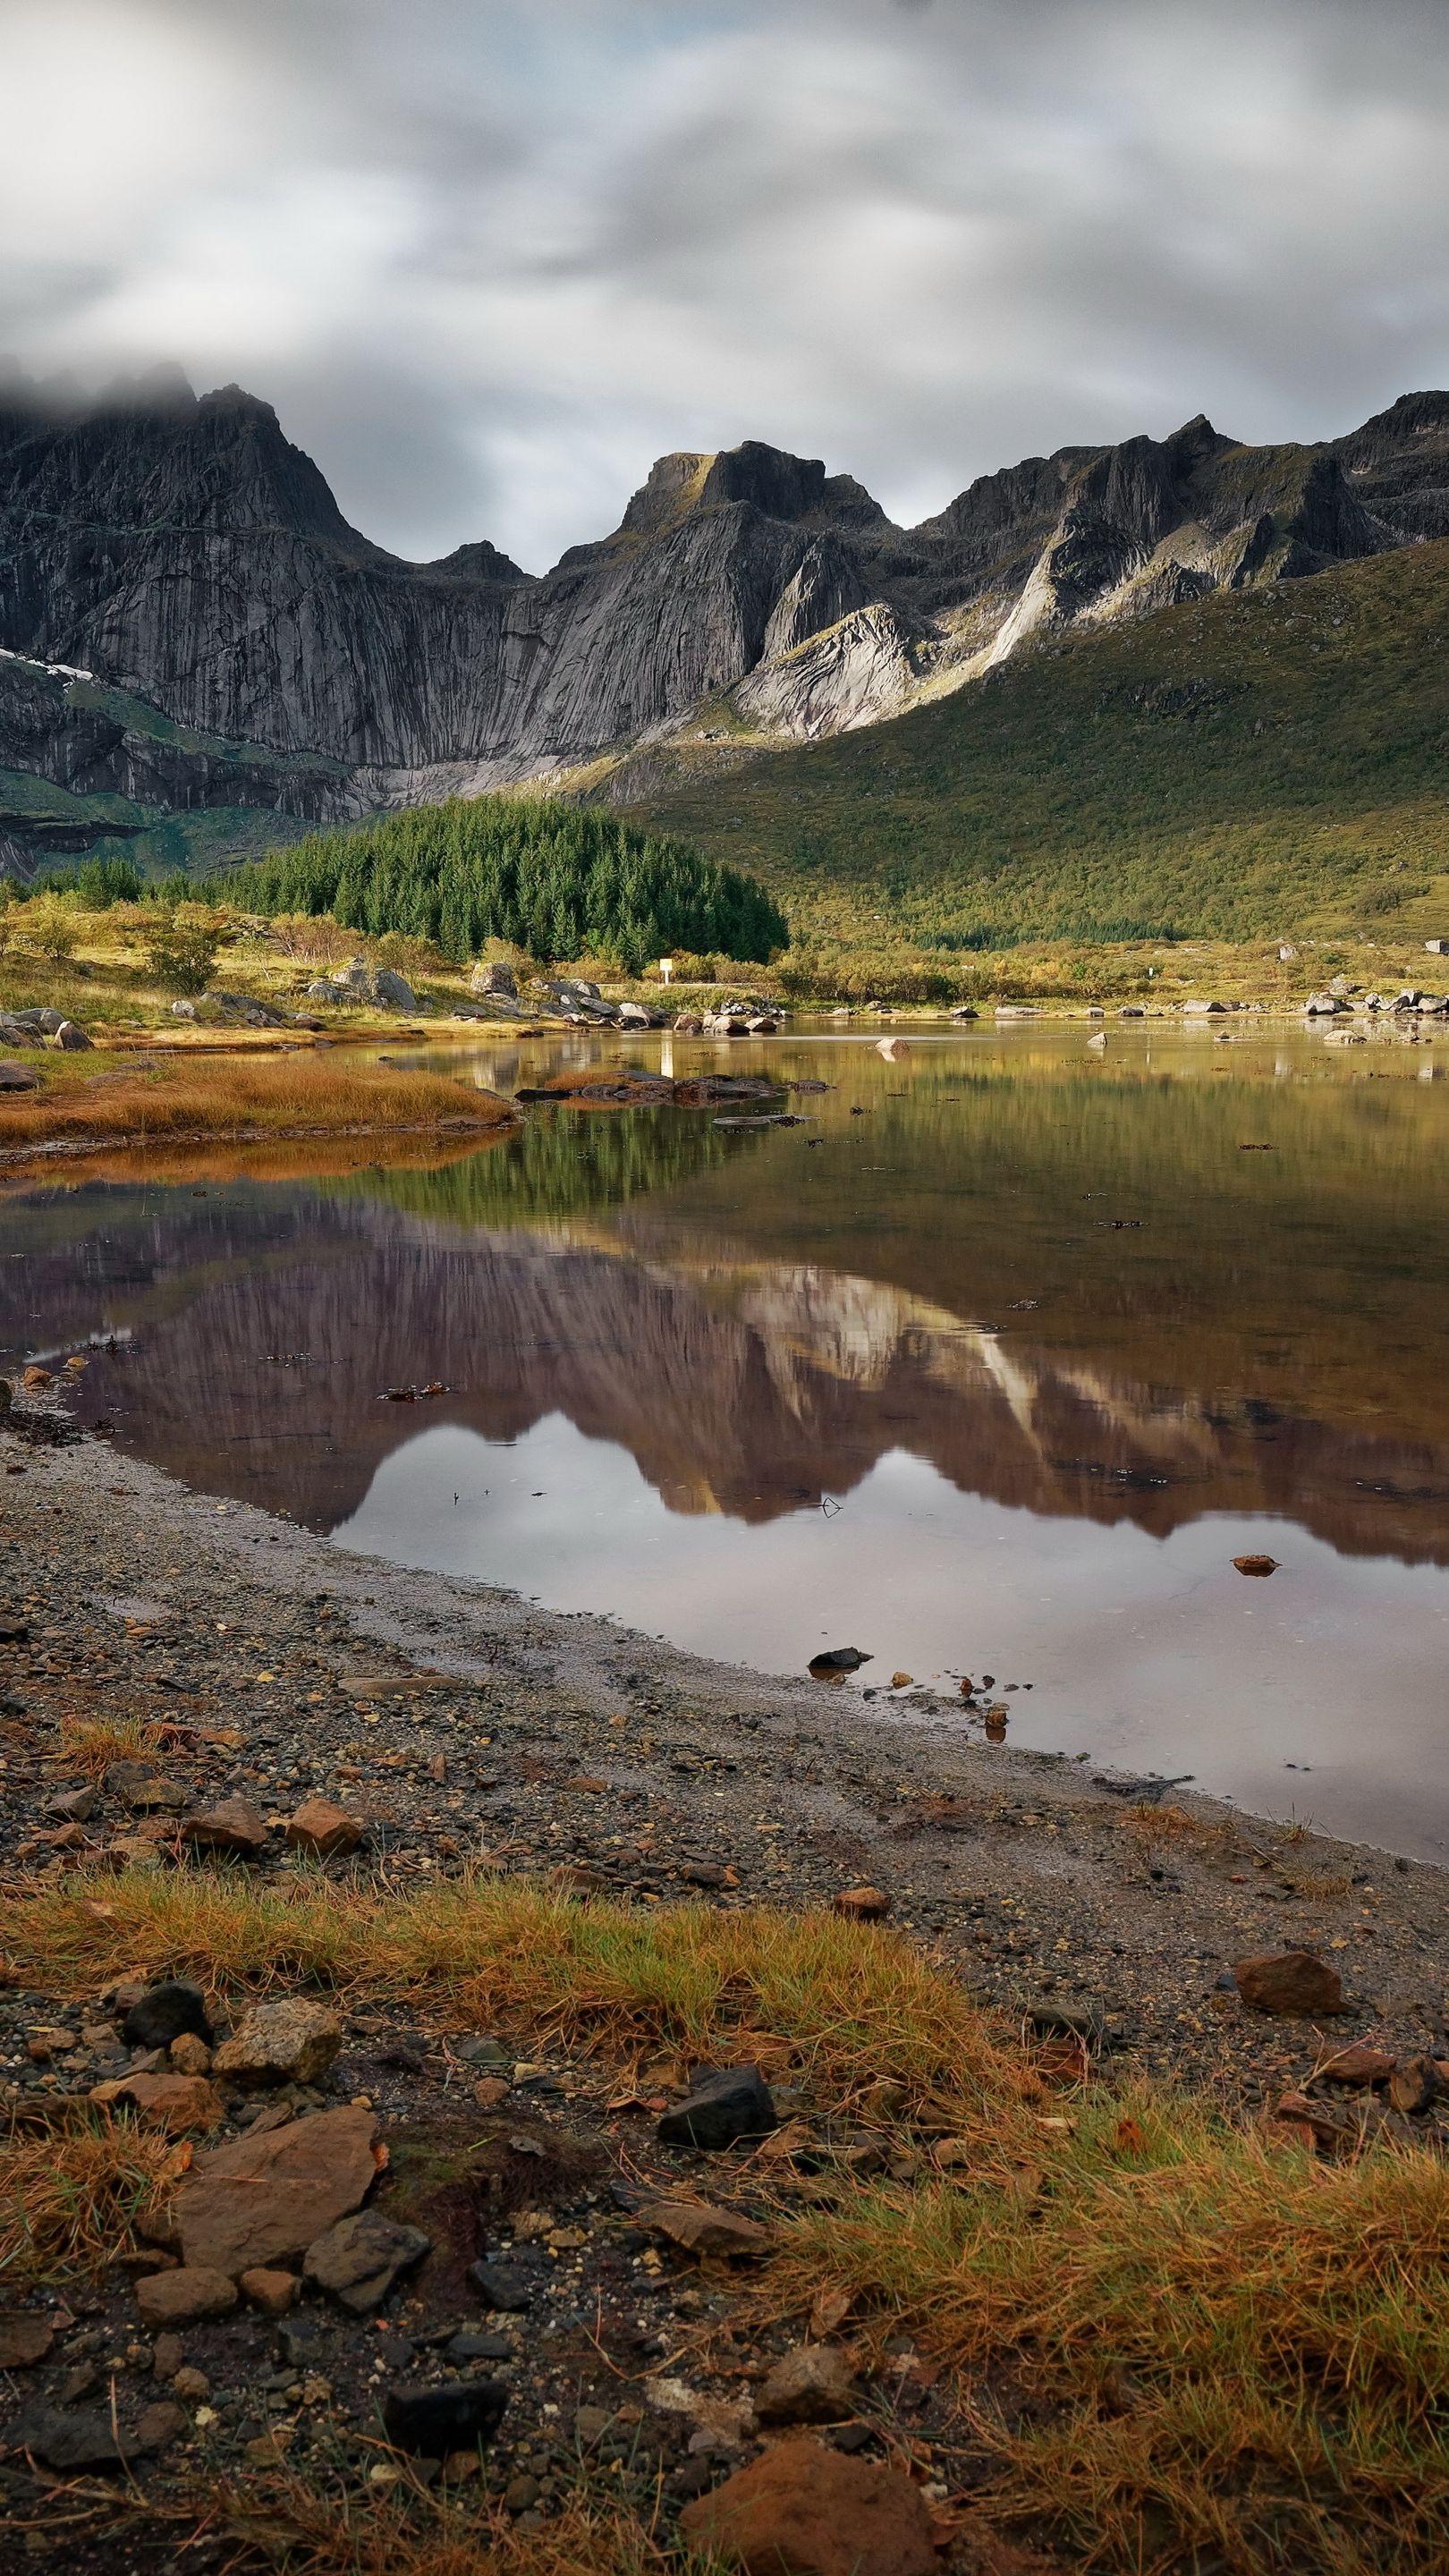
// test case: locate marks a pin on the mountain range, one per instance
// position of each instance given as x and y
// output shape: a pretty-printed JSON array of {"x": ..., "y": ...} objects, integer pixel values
[{"x": 182, "y": 551}]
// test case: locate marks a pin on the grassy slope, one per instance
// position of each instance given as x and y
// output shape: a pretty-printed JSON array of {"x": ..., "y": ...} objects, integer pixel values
[{"x": 1263, "y": 762}]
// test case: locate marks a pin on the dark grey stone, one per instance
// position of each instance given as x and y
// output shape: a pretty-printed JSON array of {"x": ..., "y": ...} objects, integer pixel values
[
  {"x": 163, "y": 2013},
  {"x": 500, "y": 2288},
  {"x": 735, "y": 2103},
  {"x": 453, "y": 2416}
]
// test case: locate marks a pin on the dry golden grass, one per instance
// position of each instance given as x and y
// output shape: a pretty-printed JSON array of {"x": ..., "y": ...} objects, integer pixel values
[
  {"x": 92, "y": 1744},
  {"x": 484, "y": 1951},
  {"x": 1233, "y": 2355},
  {"x": 216, "y": 1096},
  {"x": 68, "y": 2196}
]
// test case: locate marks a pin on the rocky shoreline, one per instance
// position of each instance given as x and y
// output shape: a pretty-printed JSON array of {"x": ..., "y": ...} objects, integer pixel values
[{"x": 284, "y": 1692}]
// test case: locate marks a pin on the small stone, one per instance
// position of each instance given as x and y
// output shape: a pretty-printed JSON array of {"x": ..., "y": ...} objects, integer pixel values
[
  {"x": 271, "y": 2291},
  {"x": 141, "y": 1787},
  {"x": 498, "y": 2288},
  {"x": 863, "y": 1904},
  {"x": 25, "y": 2338},
  {"x": 703, "y": 1873},
  {"x": 76, "y": 1806},
  {"x": 1260, "y": 1565},
  {"x": 1289, "y": 1981},
  {"x": 453, "y": 2416},
  {"x": 735, "y": 2103},
  {"x": 520, "y": 2493},
  {"x": 184, "y": 2297},
  {"x": 360, "y": 2258},
  {"x": 480, "y": 2347},
  {"x": 232, "y": 1825},
  {"x": 803, "y": 2510},
  {"x": 160, "y": 2425},
  {"x": 814, "y": 2385},
  {"x": 902, "y": 1681},
  {"x": 36, "y": 1378},
  {"x": 190, "y": 2385},
  {"x": 167, "y": 2355},
  {"x": 190, "y": 2055},
  {"x": 491, "y": 2092},
  {"x": 1414, "y": 2084},
  {"x": 322, "y": 1829},
  {"x": 163, "y": 2012},
  {"x": 284, "y": 2043},
  {"x": 703, "y": 2230}
]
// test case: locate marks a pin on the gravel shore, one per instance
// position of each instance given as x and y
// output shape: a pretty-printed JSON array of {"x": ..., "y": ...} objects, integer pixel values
[{"x": 459, "y": 1725}]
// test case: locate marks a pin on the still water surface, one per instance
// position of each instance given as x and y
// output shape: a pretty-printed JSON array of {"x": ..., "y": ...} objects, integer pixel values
[{"x": 997, "y": 1376}]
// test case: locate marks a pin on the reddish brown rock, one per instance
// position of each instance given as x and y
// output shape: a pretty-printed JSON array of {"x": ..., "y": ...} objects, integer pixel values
[
  {"x": 257, "y": 2202},
  {"x": 272, "y": 2292},
  {"x": 184, "y": 2297},
  {"x": 232, "y": 1825},
  {"x": 805, "y": 2511},
  {"x": 1414, "y": 2084},
  {"x": 1289, "y": 1981},
  {"x": 1356, "y": 2065},
  {"x": 160, "y": 2425},
  {"x": 863, "y": 1904},
  {"x": 190, "y": 2055},
  {"x": 322, "y": 1829},
  {"x": 24, "y": 2338},
  {"x": 1259, "y": 1565},
  {"x": 703, "y": 2230},
  {"x": 179, "y": 2104}
]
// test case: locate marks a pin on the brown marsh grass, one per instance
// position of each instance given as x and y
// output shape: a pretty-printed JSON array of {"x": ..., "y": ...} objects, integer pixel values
[{"x": 212, "y": 1097}]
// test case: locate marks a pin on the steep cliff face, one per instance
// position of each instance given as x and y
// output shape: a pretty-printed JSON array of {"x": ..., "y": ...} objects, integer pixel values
[{"x": 183, "y": 549}]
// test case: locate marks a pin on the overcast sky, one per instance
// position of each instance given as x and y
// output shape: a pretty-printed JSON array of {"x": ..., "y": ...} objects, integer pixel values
[{"x": 489, "y": 260}]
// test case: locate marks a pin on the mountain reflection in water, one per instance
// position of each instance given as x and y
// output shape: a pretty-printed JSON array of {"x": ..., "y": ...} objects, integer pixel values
[{"x": 1051, "y": 1286}]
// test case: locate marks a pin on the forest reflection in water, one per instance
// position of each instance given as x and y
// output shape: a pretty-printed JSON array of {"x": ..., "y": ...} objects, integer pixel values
[{"x": 1001, "y": 1356}]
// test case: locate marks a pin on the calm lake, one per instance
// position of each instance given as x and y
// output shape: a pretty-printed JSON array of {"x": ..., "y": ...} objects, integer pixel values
[{"x": 991, "y": 1366}]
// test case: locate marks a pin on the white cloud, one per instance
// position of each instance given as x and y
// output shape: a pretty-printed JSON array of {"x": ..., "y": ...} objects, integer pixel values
[{"x": 488, "y": 262}]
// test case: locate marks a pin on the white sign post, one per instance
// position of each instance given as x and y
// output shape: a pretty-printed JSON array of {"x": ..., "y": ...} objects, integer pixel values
[{"x": 666, "y": 969}]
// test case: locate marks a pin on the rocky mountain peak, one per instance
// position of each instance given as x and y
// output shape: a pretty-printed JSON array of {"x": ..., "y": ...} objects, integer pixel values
[{"x": 184, "y": 549}]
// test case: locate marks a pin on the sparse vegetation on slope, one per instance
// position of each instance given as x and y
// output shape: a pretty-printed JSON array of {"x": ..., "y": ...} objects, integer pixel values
[
  {"x": 1262, "y": 763},
  {"x": 1180, "y": 2344},
  {"x": 558, "y": 881}
]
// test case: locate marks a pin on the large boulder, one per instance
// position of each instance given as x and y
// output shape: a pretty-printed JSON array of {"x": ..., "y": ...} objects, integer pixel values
[
  {"x": 261, "y": 2201},
  {"x": 71, "y": 1039},
  {"x": 393, "y": 990},
  {"x": 18, "y": 1077},
  {"x": 492, "y": 976}
]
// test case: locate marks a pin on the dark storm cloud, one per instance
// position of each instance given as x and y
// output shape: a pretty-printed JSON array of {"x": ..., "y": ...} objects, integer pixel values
[{"x": 488, "y": 260}]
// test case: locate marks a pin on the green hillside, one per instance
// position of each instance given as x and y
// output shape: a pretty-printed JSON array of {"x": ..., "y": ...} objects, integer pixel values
[{"x": 1264, "y": 762}]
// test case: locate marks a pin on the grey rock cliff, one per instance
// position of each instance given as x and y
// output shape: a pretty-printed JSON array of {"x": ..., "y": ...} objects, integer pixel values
[{"x": 184, "y": 550}]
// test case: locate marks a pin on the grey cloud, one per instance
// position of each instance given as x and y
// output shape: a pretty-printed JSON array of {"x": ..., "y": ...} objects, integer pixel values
[{"x": 489, "y": 261}]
